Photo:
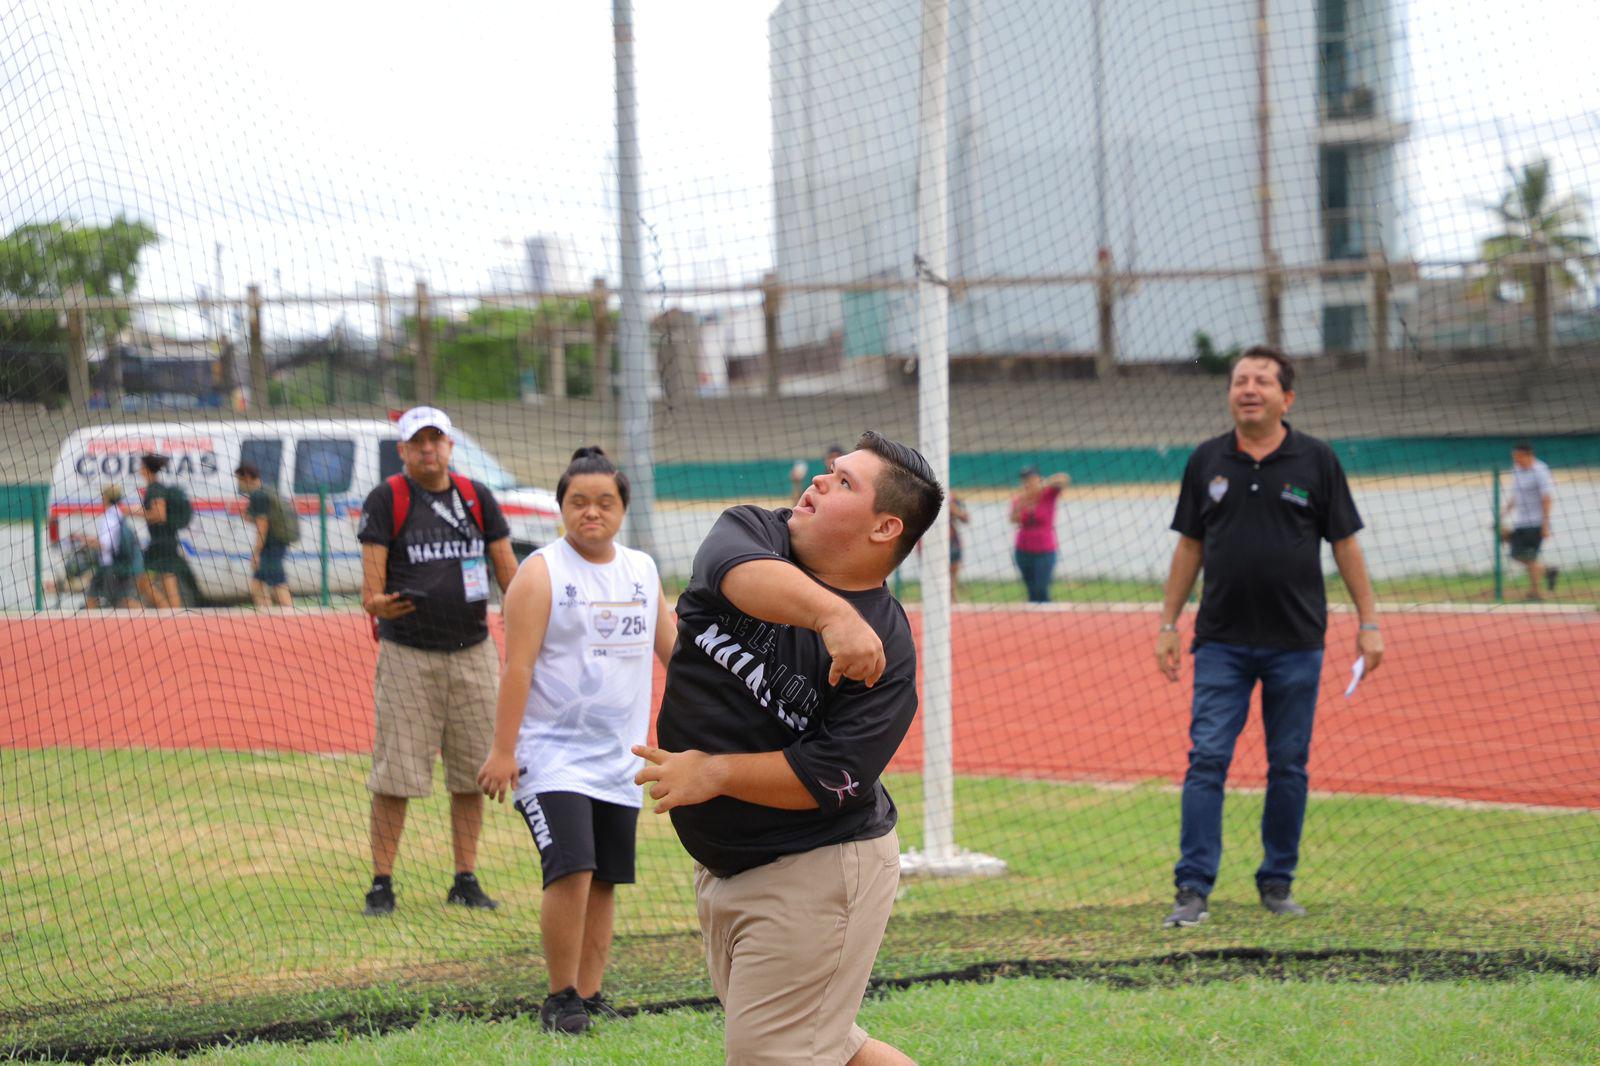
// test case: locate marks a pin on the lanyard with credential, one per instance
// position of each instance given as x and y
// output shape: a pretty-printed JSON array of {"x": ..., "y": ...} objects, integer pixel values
[{"x": 457, "y": 521}]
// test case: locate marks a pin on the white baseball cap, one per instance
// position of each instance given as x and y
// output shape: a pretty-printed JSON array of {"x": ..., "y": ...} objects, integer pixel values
[{"x": 420, "y": 418}]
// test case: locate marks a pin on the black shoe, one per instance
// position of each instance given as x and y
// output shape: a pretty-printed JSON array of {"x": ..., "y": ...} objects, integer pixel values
[
  {"x": 1188, "y": 910},
  {"x": 1550, "y": 575},
  {"x": 468, "y": 893},
  {"x": 1275, "y": 897},
  {"x": 563, "y": 1012},
  {"x": 599, "y": 1007},
  {"x": 380, "y": 900}
]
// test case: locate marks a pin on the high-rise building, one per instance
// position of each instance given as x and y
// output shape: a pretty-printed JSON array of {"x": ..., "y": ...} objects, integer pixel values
[{"x": 1134, "y": 126}]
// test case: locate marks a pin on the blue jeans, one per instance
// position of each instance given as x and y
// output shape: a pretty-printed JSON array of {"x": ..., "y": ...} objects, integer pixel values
[
  {"x": 1037, "y": 568},
  {"x": 1224, "y": 677}
]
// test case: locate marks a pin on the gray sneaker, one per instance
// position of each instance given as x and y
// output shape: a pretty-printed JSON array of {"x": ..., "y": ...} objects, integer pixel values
[
  {"x": 1188, "y": 910},
  {"x": 1275, "y": 897}
]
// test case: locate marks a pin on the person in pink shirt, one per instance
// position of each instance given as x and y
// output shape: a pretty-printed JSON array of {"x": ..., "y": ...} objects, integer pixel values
[{"x": 1033, "y": 512}]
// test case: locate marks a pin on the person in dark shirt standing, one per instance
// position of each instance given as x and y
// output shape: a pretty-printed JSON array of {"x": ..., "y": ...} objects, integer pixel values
[
  {"x": 425, "y": 579},
  {"x": 269, "y": 581},
  {"x": 163, "y": 556},
  {"x": 1254, "y": 506},
  {"x": 793, "y": 683}
]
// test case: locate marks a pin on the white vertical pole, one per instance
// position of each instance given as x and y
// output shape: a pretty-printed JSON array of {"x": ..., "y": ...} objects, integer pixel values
[
  {"x": 933, "y": 427},
  {"x": 633, "y": 340}
]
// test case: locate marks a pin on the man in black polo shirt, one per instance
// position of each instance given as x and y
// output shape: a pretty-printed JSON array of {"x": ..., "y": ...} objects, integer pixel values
[
  {"x": 793, "y": 683},
  {"x": 1253, "y": 509}
]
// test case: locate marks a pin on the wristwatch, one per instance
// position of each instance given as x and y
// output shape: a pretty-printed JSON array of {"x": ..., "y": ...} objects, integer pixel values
[
  {"x": 1169, "y": 627},
  {"x": 1369, "y": 627}
]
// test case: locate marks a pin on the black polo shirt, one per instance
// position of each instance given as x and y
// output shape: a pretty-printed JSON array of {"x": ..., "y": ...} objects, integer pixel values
[{"x": 1262, "y": 525}]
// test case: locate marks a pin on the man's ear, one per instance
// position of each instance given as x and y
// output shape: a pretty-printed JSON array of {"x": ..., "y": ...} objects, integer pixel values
[
  {"x": 1288, "y": 401},
  {"x": 886, "y": 529}
]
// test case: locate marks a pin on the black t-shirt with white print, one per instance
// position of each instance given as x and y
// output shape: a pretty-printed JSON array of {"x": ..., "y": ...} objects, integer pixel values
[
  {"x": 737, "y": 684},
  {"x": 428, "y": 556}
]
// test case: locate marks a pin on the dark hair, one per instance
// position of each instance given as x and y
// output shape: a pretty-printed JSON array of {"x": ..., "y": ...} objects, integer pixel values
[
  {"x": 154, "y": 463},
  {"x": 1523, "y": 446},
  {"x": 248, "y": 470},
  {"x": 834, "y": 449},
  {"x": 1262, "y": 351},
  {"x": 592, "y": 460},
  {"x": 906, "y": 489}
]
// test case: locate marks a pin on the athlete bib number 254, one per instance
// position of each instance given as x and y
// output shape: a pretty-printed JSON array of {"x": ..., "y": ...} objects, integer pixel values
[{"x": 618, "y": 630}]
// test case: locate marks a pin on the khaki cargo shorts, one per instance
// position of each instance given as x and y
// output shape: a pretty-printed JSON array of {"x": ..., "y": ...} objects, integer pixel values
[
  {"x": 428, "y": 702},
  {"x": 790, "y": 946}
]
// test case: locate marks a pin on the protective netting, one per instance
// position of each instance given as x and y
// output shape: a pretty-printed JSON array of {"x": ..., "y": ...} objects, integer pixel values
[{"x": 231, "y": 239}]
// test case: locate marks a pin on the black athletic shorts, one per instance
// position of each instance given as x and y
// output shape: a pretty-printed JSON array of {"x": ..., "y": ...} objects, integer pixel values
[
  {"x": 575, "y": 833},
  {"x": 1525, "y": 543}
]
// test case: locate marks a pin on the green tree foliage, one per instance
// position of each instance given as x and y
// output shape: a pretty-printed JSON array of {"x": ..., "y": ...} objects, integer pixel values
[
  {"x": 1536, "y": 221},
  {"x": 48, "y": 260},
  {"x": 484, "y": 356}
]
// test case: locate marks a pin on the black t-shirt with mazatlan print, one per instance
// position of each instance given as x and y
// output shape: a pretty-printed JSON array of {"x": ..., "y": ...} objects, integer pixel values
[
  {"x": 427, "y": 557},
  {"x": 737, "y": 684}
]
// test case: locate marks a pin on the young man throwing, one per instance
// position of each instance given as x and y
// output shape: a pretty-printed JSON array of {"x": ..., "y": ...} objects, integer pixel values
[{"x": 793, "y": 683}]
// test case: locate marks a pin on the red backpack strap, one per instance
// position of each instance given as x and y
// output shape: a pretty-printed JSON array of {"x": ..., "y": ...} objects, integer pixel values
[
  {"x": 400, "y": 485},
  {"x": 469, "y": 493}
]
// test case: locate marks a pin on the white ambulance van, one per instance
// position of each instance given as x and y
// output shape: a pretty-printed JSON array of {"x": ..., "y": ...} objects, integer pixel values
[{"x": 344, "y": 458}]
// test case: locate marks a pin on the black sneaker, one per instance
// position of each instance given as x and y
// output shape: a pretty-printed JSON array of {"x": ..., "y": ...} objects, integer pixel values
[
  {"x": 599, "y": 1006},
  {"x": 1188, "y": 910},
  {"x": 563, "y": 1012},
  {"x": 1275, "y": 897},
  {"x": 468, "y": 893},
  {"x": 380, "y": 900},
  {"x": 1550, "y": 575}
]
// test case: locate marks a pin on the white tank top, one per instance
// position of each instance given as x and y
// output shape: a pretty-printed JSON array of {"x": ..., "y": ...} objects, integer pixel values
[{"x": 590, "y": 698}]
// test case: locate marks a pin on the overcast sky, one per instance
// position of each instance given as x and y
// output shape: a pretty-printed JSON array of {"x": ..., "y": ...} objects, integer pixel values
[{"x": 311, "y": 138}]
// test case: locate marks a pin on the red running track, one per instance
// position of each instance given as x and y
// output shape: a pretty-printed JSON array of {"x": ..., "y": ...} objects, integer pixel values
[{"x": 1498, "y": 707}]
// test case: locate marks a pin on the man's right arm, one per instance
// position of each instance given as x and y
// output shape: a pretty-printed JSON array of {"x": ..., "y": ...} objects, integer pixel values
[
  {"x": 777, "y": 591},
  {"x": 374, "y": 576},
  {"x": 1186, "y": 559}
]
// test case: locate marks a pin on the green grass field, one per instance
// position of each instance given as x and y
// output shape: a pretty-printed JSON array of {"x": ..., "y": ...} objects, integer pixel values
[
  {"x": 1531, "y": 1020},
  {"x": 165, "y": 895}
]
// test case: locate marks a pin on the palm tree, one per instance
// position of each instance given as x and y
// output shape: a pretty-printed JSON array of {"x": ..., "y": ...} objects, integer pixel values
[{"x": 1537, "y": 223}]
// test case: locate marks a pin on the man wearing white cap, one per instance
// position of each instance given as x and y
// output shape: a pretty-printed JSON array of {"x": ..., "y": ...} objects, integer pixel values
[{"x": 428, "y": 539}]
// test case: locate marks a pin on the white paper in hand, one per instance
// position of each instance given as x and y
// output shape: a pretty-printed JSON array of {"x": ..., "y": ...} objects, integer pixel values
[{"x": 1357, "y": 669}]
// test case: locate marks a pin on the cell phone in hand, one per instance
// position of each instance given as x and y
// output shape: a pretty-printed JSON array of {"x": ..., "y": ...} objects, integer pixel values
[{"x": 414, "y": 595}]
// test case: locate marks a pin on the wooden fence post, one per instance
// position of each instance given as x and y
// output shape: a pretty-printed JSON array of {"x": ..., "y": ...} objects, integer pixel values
[
  {"x": 424, "y": 385},
  {"x": 260, "y": 389},
  {"x": 771, "y": 296}
]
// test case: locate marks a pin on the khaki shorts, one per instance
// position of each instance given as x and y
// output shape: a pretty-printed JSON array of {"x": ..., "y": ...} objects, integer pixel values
[
  {"x": 790, "y": 946},
  {"x": 427, "y": 702}
]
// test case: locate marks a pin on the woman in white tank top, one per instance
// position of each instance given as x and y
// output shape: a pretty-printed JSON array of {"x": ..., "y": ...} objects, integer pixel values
[{"x": 584, "y": 616}]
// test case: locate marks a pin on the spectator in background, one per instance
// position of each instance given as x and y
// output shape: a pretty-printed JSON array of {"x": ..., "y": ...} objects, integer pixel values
[
  {"x": 270, "y": 538},
  {"x": 1254, "y": 506},
  {"x": 1033, "y": 512},
  {"x": 426, "y": 535},
  {"x": 958, "y": 518},
  {"x": 121, "y": 562},
  {"x": 165, "y": 510},
  {"x": 1533, "y": 494},
  {"x": 800, "y": 473}
]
